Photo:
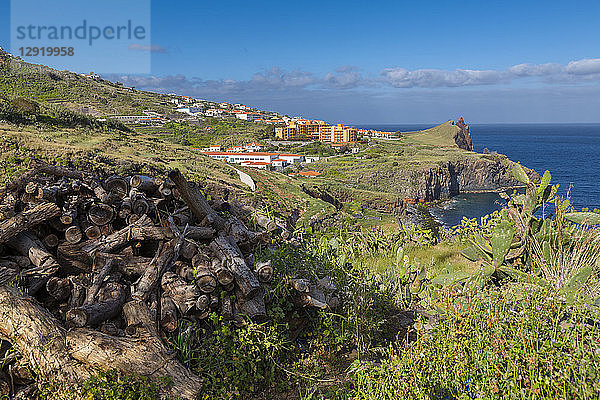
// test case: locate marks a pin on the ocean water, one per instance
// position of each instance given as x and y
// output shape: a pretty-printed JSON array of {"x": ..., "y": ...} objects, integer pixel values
[{"x": 571, "y": 152}]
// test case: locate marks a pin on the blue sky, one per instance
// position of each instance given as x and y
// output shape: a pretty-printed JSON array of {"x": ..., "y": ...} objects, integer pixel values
[{"x": 379, "y": 62}]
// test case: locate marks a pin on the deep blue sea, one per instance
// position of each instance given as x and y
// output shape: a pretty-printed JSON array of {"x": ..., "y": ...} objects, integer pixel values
[{"x": 571, "y": 152}]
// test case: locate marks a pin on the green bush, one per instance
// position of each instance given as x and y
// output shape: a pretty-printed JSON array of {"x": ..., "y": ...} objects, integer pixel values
[
  {"x": 112, "y": 385},
  {"x": 495, "y": 345}
]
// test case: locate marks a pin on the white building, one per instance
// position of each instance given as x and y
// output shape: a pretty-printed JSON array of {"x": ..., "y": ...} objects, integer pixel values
[
  {"x": 292, "y": 158},
  {"x": 279, "y": 162},
  {"x": 253, "y": 147},
  {"x": 235, "y": 149},
  {"x": 189, "y": 110},
  {"x": 238, "y": 158},
  {"x": 214, "y": 112},
  {"x": 247, "y": 116},
  {"x": 257, "y": 164}
]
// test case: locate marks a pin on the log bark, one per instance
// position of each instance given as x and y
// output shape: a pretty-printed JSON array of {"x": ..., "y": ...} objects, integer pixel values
[
  {"x": 184, "y": 294},
  {"x": 8, "y": 272},
  {"x": 145, "y": 183},
  {"x": 27, "y": 219},
  {"x": 44, "y": 263},
  {"x": 65, "y": 359},
  {"x": 244, "y": 277},
  {"x": 80, "y": 255},
  {"x": 126, "y": 263},
  {"x": 113, "y": 296},
  {"x": 253, "y": 307},
  {"x": 168, "y": 314},
  {"x": 195, "y": 200},
  {"x": 97, "y": 281},
  {"x": 40, "y": 339},
  {"x": 162, "y": 262},
  {"x": 199, "y": 233}
]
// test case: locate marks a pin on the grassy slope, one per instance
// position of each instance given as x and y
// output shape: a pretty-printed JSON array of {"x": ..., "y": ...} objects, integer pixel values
[
  {"x": 47, "y": 85},
  {"x": 441, "y": 135}
]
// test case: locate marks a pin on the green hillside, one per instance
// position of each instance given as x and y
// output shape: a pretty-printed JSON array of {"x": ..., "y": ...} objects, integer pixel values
[{"x": 92, "y": 95}]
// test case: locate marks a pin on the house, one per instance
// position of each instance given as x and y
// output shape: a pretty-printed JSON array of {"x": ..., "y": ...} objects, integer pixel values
[
  {"x": 279, "y": 162},
  {"x": 238, "y": 158},
  {"x": 253, "y": 147},
  {"x": 235, "y": 149},
  {"x": 292, "y": 158},
  {"x": 189, "y": 110},
  {"x": 257, "y": 164},
  {"x": 246, "y": 116}
]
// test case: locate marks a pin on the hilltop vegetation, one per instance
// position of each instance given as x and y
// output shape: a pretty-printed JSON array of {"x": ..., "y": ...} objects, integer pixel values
[{"x": 95, "y": 96}]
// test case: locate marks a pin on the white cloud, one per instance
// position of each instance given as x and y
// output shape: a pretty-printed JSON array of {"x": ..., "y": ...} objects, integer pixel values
[{"x": 277, "y": 80}]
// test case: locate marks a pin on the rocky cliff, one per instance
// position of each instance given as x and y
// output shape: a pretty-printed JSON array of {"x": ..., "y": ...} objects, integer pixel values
[
  {"x": 463, "y": 135},
  {"x": 446, "y": 179}
]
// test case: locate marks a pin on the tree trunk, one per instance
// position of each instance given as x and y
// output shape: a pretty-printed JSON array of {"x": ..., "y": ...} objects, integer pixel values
[
  {"x": 244, "y": 277},
  {"x": 184, "y": 295},
  {"x": 195, "y": 200},
  {"x": 113, "y": 297},
  {"x": 162, "y": 262},
  {"x": 27, "y": 219}
]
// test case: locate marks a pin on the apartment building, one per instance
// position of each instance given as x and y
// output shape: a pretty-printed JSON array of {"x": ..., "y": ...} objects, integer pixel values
[{"x": 337, "y": 134}]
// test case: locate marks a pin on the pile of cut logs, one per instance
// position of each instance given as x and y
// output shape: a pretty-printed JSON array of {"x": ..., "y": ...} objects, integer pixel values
[{"x": 94, "y": 268}]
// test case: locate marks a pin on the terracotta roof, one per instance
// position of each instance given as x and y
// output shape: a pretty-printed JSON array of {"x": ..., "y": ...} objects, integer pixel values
[
  {"x": 256, "y": 163},
  {"x": 309, "y": 173},
  {"x": 224, "y": 153}
]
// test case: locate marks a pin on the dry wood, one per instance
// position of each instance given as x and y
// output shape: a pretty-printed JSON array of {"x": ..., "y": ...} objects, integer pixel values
[
  {"x": 148, "y": 355},
  {"x": 195, "y": 200},
  {"x": 116, "y": 186},
  {"x": 203, "y": 303},
  {"x": 40, "y": 339},
  {"x": 73, "y": 234},
  {"x": 68, "y": 216},
  {"x": 244, "y": 277},
  {"x": 44, "y": 263},
  {"x": 253, "y": 307},
  {"x": 51, "y": 240},
  {"x": 199, "y": 233},
  {"x": 166, "y": 256},
  {"x": 112, "y": 296},
  {"x": 101, "y": 214},
  {"x": 168, "y": 314},
  {"x": 27, "y": 219},
  {"x": 79, "y": 285},
  {"x": 183, "y": 294},
  {"x": 145, "y": 183},
  {"x": 226, "y": 307},
  {"x": 59, "y": 288},
  {"x": 205, "y": 280},
  {"x": 264, "y": 271},
  {"x": 98, "y": 277},
  {"x": 91, "y": 231},
  {"x": 8, "y": 272},
  {"x": 125, "y": 263}
]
